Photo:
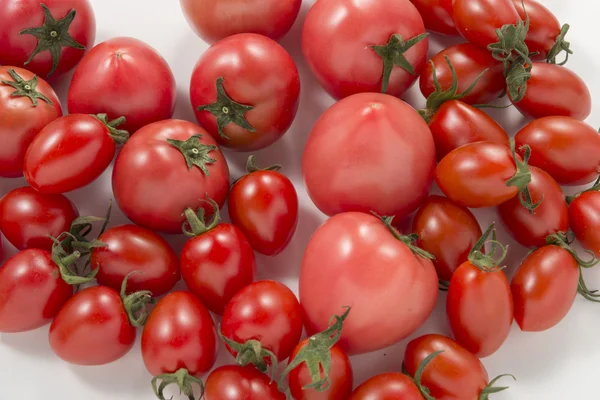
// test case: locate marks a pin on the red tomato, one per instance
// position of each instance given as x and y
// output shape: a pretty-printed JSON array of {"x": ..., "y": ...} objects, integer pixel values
[
  {"x": 124, "y": 77},
  {"x": 356, "y": 260},
  {"x": 477, "y": 20},
  {"x": 250, "y": 103},
  {"x": 214, "y": 20},
  {"x": 30, "y": 219},
  {"x": 437, "y": 15},
  {"x": 48, "y": 37},
  {"x": 27, "y": 104},
  {"x": 584, "y": 217},
  {"x": 376, "y": 131},
  {"x": 544, "y": 28},
  {"x": 568, "y": 149},
  {"x": 165, "y": 168},
  {"x": 390, "y": 386},
  {"x": 232, "y": 382},
  {"x": 353, "y": 47}
]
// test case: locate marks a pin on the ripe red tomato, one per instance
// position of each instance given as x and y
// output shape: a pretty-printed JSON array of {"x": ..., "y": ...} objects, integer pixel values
[
  {"x": 165, "y": 168},
  {"x": 353, "y": 47},
  {"x": 389, "y": 386},
  {"x": 376, "y": 130},
  {"x": 124, "y": 77},
  {"x": 214, "y": 20},
  {"x": 477, "y": 20},
  {"x": 584, "y": 217},
  {"x": 232, "y": 382},
  {"x": 48, "y": 37},
  {"x": 437, "y": 16},
  {"x": 250, "y": 103}
]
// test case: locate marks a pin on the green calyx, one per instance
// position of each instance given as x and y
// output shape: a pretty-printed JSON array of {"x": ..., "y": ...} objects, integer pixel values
[
  {"x": 252, "y": 352},
  {"x": 419, "y": 373},
  {"x": 25, "y": 88},
  {"x": 181, "y": 378},
  {"x": 252, "y": 166},
  {"x": 392, "y": 54},
  {"x": 522, "y": 178},
  {"x": 560, "y": 45},
  {"x": 197, "y": 224},
  {"x": 595, "y": 188},
  {"x": 52, "y": 36},
  {"x": 120, "y": 136},
  {"x": 195, "y": 152},
  {"x": 487, "y": 262},
  {"x": 491, "y": 389},
  {"x": 135, "y": 304},
  {"x": 408, "y": 240}
]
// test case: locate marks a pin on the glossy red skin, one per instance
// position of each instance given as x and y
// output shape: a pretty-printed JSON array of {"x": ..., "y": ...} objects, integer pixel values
[
  {"x": 16, "y": 48},
  {"x": 383, "y": 138},
  {"x": 232, "y": 382},
  {"x": 336, "y": 43},
  {"x": 543, "y": 26},
  {"x": 92, "y": 328},
  {"x": 257, "y": 72},
  {"x": 446, "y": 230},
  {"x": 179, "y": 333},
  {"x": 552, "y": 216},
  {"x": 568, "y": 149},
  {"x": 437, "y": 16},
  {"x": 340, "y": 377},
  {"x": 455, "y": 374},
  {"x": 584, "y": 217},
  {"x": 354, "y": 260},
  {"x": 217, "y": 265},
  {"x": 555, "y": 90},
  {"x": 21, "y": 121},
  {"x": 544, "y": 288},
  {"x": 135, "y": 249},
  {"x": 456, "y": 124},
  {"x": 152, "y": 183},
  {"x": 266, "y": 311},
  {"x": 124, "y": 77},
  {"x": 30, "y": 271},
  {"x": 469, "y": 61},
  {"x": 477, "y": 20},
  {"x": 29, "y": 219},
  {"x": 475, "y": 175},
  {"x": 389, "y": 386}
]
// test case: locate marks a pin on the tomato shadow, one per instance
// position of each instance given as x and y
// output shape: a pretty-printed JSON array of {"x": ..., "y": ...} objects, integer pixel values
[{"x": 33, "y": 344}]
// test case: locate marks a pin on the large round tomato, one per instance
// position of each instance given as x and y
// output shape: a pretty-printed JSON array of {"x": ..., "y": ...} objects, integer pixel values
[
  {"x": 232, "y": 382},
  {"x": 165, "y": 168},
  {"x": 584, "y": 218},
  {"x": 477, "y": 20},
  {"x": 389, "y": 386},
  {"x": 27, "y": 104},
  {"x": 365, "y": 46},
  {"x": 544, "y": 28},
  {"x": 357, "y": 260},
  {"x": 250, "y": 103},
  {"x": 387, "y": 161},
  {"x": 437, "y": 15},
  {"x": 47, "y": 37}
]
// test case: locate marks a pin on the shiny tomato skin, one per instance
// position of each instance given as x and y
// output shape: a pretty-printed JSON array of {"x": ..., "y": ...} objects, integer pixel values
[
  {"x": 336, "y": 43},
  {"x": 266, "y": 311},
  {"x": 437, "y": 16},
  {"x": 382, "y": 136},
  {"x": 124, "y": 77},
  {"x": 584, "y": 218},
  {"x": 263, "y": 76},
  {"x": 477, "y": 20},
  {"x": 566, "y": 148},
  {"x": 544, "y": 288},
  {"x": 29, "y": 219},
  {"x": 446, "y": 230},
  {"x": 152, "y": 183},
  {"x": 179, "y": 333},
  {"x": 389, "y": 386},
  {"x": 469, "y": 61},
  {"x": 552, "y": 216},
  {"x": 30, "y": 271},
  {"x": 217, "y": 265},
  {"x": 232, "y": 382},
  {"x": 543, "y": 27},
  {"x": 354, "y": 260}
]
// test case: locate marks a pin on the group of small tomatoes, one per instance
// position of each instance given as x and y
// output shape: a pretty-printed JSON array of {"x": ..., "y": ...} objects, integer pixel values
[{"x": 369, "y": 164}]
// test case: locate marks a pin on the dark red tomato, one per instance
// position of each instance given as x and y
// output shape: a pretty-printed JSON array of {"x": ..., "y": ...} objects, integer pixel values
[
  {"x": 544, "y": 28},
  {"x": 47, "y": 37},
  {"x": 232, "y": 382},
  {"x": 555, "y": 90},
  {"x": 132, "y": 248},
  {"x": 390, "y": 386},
  {"x": 266, "y": 311},
  {"x": 27, "y": 104},
  {"x": 165, "y": 168},
  {"x": 477, "y": 20},
  {"x": 250, "y": 103},
  {"x": 124, "y": 77},
  {"x": 566, "y": 148},
  {"x": 30, "y": 219},
  {"x": 365, "y": 46},
  {"x": 437, "y": 15},
  {"x": 469, "y": 62},
  {"x": 214, "y": 20},
  {"x": 584, "y": 217}
]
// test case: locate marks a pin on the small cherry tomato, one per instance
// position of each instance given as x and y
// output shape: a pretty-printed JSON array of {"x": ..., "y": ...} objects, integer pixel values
[
  {"x": 584, "y": 218},
  {"x": 232, "y": 382},
  {"x": 437, "y": 16},
  {"x": 478, "y": 20},
  {"x": 390, "y": 386}
]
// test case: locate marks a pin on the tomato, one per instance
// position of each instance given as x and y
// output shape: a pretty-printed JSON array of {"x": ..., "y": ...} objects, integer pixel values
[
  {"x": 165, "y": 168},
  {"x": 584, "y": 217},
  {"x": 30, "y": 219},
  {"x": 354, "y": 47},
  {"x": 47, "y": 37},
  {"x": 232, "y": 382},
  {"x": 124, "y": 77},
  {"x": 357, "y": 260},
  {"x": 389, "y": 386},
  {"x": 250, "y": 103},
  {"x": 214, "y": 20},
  {"x": 387, "y": 161},
  {"x": 437, "y": 15},
  {"x": 477, "y": 20},
  {"x": 447, "y": 231},
  {"x": 566, "y": 148}
]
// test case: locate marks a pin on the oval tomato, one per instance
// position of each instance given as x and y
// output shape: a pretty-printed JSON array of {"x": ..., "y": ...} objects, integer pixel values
[
  {"x": 477, "y": 20},
  {"x": 124, "y": 77},
  {"x": 389, "y": 386},
  {"x": 366, "y": 46},
  {"x": 248, "y": 104},
  {"x": 437, "y": 16},
  {"x": 232, "y": 382},
  {"x": 584, "y": 218}
]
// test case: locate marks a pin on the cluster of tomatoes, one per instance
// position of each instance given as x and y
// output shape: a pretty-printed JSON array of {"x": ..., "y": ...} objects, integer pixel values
[{"x": 370, "y": 162}]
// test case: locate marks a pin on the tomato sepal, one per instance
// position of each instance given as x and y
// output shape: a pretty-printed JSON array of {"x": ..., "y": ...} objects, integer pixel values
[
  {"x": 181, "y": 378},
  {"x": 252, "y": 352},
  {"x": 425, "y": 392},
  {"x": 595, "y": 188},
  {"x": 522, "y": 178},
  {"x": 25, "y": 88},
  {"x": 197, "y": 221},
  {"x": 487, "y": 262},
  {"x": 120, "y": 136},
  {"x": 135, "y": 304},
  {"x": 195, "y": 153},
  {"x": 560, "y": 45},
  {"x": 491, "y": 389},
  {"x": 252, "y": 166},
  {"x": 408, "y": 240}
]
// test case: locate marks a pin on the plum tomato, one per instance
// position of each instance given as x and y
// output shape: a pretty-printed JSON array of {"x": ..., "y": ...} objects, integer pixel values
[
  {"x": 388, "y": 386},
  {"x": 233, "y": 382},
  {"x": 437, "y": 16},
  {"x": 584, "y": 218}
]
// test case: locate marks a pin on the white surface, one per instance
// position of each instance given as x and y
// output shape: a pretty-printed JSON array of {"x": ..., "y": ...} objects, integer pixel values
[{"x": 559, "y": 364}]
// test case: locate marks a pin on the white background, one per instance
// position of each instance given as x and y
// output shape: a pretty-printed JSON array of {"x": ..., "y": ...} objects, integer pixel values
[{"x": 558, "y": 364}]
